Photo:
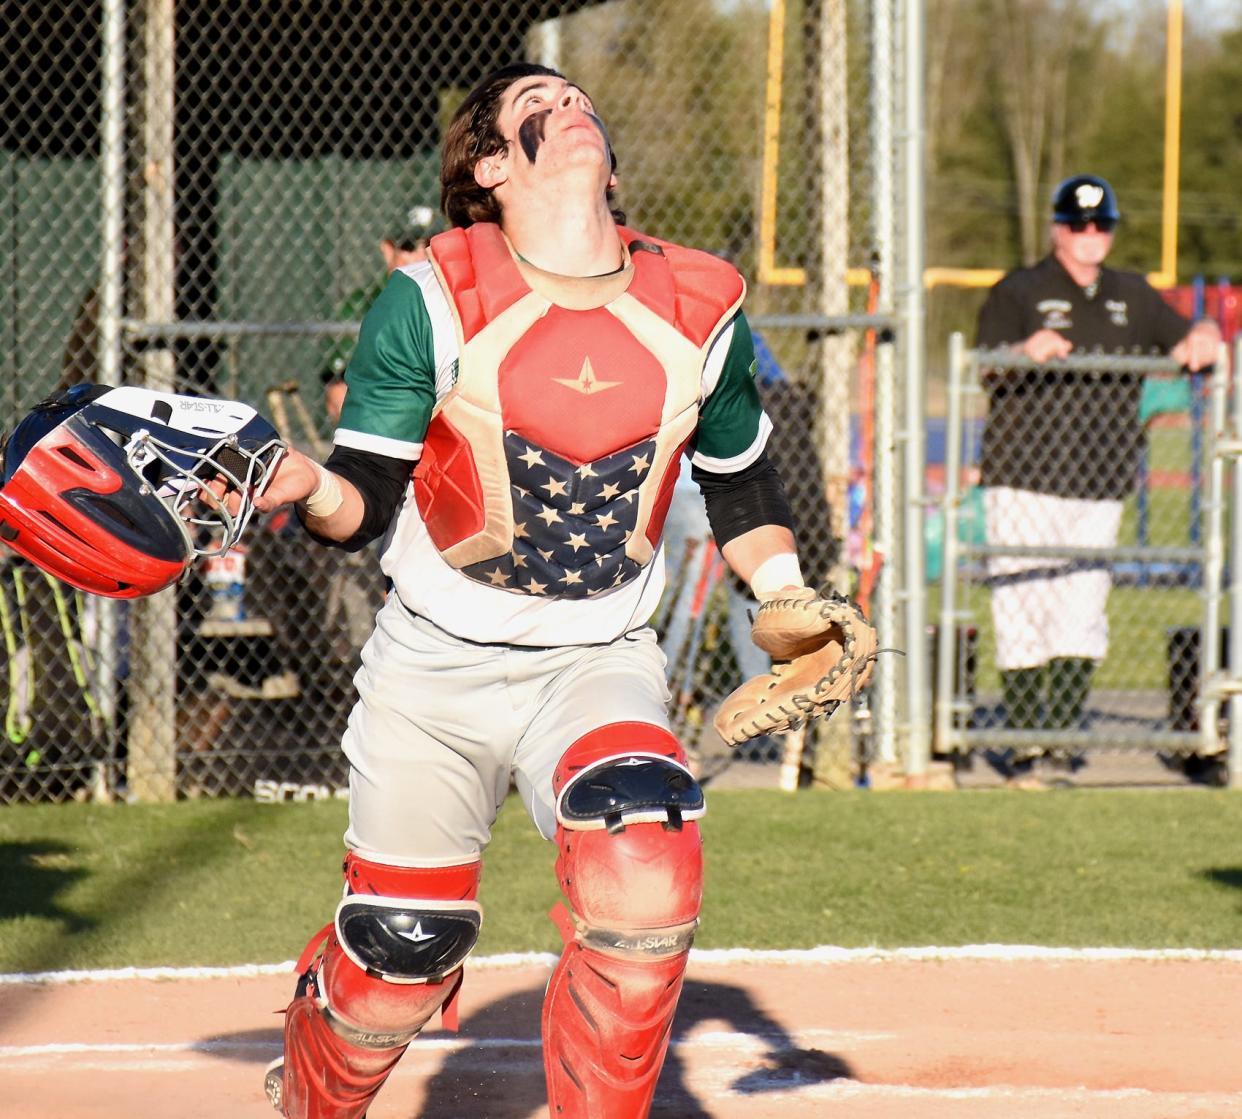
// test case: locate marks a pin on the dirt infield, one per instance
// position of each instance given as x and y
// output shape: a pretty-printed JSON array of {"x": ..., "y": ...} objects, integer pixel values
[{"x": 972, "y": 1038}]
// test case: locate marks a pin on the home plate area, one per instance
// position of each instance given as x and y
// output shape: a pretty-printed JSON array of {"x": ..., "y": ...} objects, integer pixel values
[{"x": 969, "y": 1033}]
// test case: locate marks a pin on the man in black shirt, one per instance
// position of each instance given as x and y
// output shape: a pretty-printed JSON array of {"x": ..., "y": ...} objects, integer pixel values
[{"x": 1061, "y": 450}]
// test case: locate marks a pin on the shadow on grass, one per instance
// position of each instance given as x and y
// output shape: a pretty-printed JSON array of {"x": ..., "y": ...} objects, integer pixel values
[
  {"x": 498, "y": 1071},
  {"x": 32, "y": 876},
  {"x": 1225, "y": 876}
]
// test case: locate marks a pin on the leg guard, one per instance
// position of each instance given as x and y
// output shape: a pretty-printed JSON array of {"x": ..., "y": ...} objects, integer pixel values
[
  {"x": 391, "y": 959},
  {"x": 631, "y": 866}
]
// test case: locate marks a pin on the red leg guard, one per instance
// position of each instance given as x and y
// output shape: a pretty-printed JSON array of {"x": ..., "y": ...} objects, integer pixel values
[
  {"x": 346, "y": 1028},
  {"x": 636, "y": 895}
]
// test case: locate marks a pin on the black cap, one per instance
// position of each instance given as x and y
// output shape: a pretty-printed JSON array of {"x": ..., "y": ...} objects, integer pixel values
[
  {"x": 414, "y": 225},
  {"x": 1084, "y": 198}
]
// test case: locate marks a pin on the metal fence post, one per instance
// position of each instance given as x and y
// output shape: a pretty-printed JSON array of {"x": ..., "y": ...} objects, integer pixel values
[
  {"x": 946, "y": 638},
  {"x": 884, "y": 486},
  {"x": 153, "y": 678},
  {"x": 1213, "y": 565},
  {"x": 1235, "y": 586},
  {"x": 914, "y": 361}
]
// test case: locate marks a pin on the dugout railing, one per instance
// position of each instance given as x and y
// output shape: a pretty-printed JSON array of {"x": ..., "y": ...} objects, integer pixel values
[{"x": 1161, "y": 686}]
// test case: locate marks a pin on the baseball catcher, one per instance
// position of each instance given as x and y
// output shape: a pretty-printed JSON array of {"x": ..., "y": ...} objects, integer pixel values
[
  {"x": 516, "y": 412},
  {"x": 823, "y": 651}
]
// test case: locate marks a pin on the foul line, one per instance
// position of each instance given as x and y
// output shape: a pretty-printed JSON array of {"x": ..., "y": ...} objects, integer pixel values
[{"x": 710, "y": 957}]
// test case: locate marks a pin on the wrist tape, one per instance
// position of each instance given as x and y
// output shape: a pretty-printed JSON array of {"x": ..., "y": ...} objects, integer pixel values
[
  {"x": 327, "y": 498},
  {"x": 776, "y": 572}
]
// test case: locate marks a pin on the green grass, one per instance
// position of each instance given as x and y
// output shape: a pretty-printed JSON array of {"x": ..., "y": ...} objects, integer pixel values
[{"x": 225, "y": 882}]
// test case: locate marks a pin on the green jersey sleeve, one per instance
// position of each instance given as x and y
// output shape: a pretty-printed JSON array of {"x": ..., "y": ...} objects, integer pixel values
[
  {"x": 391, "y": 375},
  {"x": 733, "y": 428}
]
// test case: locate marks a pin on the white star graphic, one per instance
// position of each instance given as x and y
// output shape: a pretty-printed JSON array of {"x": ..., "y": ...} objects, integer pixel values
[
  {"x": 577, "y": 540},
  {"x": 554, "y": 487},
  {"x": 572, "y": 577},
  {"x": 536, "y": 587},
  {"x": 605, "y": 520},
  {"x": 532, "y": 458},
  {"x": 498, "y": 578},
  {"x": 547, "y": 556},
  {"x": 519, "y": 560},
  {"x": 549, "y": 516},
  {"x": 641, "y": 463},
  {"x": 577, "y": 508},
  {"x": 519, "y": 530},
  {"x": 586, "y": 471},
  {"x": 609, "y": 491}
]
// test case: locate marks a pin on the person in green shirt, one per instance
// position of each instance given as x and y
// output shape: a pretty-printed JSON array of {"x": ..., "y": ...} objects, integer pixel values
[{"x": 404, "y": 243}]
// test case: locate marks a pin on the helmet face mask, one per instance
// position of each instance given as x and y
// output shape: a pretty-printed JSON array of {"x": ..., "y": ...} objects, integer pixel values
[{"x": 112, "y": 489}]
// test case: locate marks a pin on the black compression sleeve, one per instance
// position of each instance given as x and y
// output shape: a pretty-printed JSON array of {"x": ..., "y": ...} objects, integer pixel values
[
  {"x": 380, "y": 480},
  {"x": 749, "y": 498}
]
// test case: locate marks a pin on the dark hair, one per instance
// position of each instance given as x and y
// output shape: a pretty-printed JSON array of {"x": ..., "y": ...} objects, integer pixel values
[{"x": 472, "y": 135}]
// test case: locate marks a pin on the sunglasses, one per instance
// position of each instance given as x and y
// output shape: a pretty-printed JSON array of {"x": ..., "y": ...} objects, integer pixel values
[{"x": 1103, "y": 225}]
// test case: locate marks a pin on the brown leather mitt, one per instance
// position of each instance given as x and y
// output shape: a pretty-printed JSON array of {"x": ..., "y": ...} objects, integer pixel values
[{"x": 823, "y": 651}]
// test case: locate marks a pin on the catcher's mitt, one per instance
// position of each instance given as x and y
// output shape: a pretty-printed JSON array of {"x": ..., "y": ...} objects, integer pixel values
[{"x": 823, "y": 649}]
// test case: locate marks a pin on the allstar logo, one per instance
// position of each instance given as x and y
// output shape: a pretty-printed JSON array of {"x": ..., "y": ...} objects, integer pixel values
[
  {"x": 586, "y": 382},
  {"x": 416, "y": 934}
]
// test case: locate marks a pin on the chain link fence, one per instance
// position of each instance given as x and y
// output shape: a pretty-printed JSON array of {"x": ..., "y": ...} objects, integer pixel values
[
  {"x": 193, "y": 196},
  {"x": 1081, "y": 611}
]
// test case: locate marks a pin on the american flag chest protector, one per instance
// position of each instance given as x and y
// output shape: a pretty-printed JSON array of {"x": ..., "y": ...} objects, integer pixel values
[{"x": 549, "y": 466}]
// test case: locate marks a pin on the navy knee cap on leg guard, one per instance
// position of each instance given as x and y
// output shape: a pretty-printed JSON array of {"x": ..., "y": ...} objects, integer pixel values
[
  {"x": 631, "y": 788},
  {"x": 405, "y": 940}
]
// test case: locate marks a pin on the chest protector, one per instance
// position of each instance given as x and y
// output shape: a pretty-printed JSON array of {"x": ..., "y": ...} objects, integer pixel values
[{"x": 549, "y": 467}]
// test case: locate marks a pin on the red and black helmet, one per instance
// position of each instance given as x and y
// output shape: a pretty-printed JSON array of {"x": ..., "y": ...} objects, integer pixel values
[{"x": 107, "y": 488}]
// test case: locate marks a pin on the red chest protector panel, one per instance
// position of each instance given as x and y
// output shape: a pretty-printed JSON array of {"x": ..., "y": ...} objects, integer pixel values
[{"x": 549, "y": 466}]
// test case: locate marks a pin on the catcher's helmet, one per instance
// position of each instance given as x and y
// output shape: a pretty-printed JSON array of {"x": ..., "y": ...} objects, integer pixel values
[
  {"x": 1083, "y": 198},
  {"x": 107, "y": 489}
]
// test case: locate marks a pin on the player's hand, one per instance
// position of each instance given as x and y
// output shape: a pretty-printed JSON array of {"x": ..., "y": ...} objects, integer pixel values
[
  {"x": 1199, "y": 348},
  {"x": 1046, "y": 345},
  {"x": 295, "y": 480}
]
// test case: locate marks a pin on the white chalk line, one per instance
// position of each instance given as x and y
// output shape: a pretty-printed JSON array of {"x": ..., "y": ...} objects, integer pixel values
[
  {"x": 710, "y": 957},
  {"x": 723, "y": 1080},
  {"x": 758, "y": 1041}
]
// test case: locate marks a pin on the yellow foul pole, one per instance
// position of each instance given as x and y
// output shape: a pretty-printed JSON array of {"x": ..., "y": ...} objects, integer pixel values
[{"x": 1167, "y": 276}]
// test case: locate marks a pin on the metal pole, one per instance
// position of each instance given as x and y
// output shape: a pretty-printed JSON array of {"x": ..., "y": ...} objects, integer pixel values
[
  {"x": 153, "y": 682},
  {"x": 910, "y": 307},
  {"x": 946, "y": 657},
  {"x": 111, "y": 291},
  {"x": 836, "y": 352},
  {"x": 884, "y": 484},
  {"x": 1213, "y": 569},
  {"x": 1235, "y": 585}
]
